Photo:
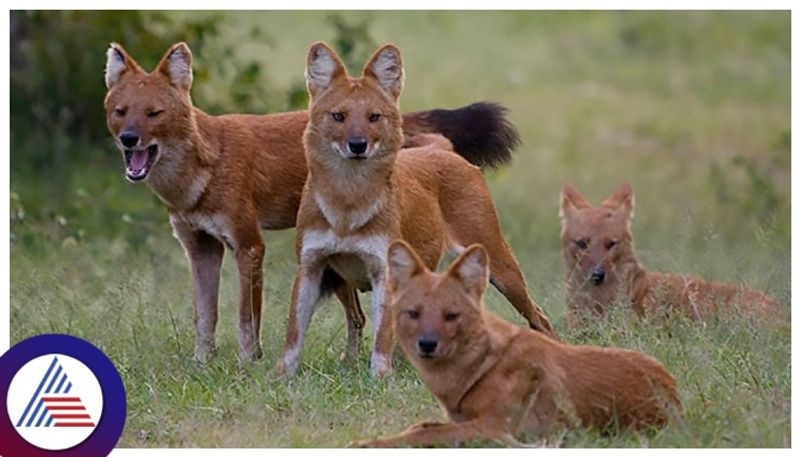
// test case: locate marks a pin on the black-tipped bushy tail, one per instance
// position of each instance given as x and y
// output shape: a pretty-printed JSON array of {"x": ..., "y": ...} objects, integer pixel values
[{"x": 480, "y": 132}]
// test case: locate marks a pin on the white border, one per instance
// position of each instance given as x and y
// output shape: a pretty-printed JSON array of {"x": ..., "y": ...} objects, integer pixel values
[{"x": 359, "y": 4}]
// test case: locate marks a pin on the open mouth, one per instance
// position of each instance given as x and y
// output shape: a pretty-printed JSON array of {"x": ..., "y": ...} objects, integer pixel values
[{"x": 139, "y": 162}]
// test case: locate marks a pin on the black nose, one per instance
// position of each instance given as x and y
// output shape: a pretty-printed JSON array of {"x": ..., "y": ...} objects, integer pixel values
[
  {"x": 597, "y": 276},
  {"x": 357, "y": 145},
  {"x": 129, "y": 139},
  {"x": 427, "y": 344}
]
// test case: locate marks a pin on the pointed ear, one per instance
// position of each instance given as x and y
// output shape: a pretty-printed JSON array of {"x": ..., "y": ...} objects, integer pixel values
[
  {"x": 571, "y": 201},
  {"x": 403, "y": 264},
  {"x": 323, "y": 66},
  {"x": 177, "y": 66},
  {"x": 386, "y": 66},
  {"x": 118, "y": 62},
  {"x": 472, "y": 269},
  {"x": 622, "y": 199}
]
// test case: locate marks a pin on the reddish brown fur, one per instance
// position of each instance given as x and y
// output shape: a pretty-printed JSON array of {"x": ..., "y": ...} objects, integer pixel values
[
  {"x": 599, "y": 239},
  {"x": 222, "y": 178},
  {"x": 353, "y": 206},
  {"x": 498, "y": 381}
]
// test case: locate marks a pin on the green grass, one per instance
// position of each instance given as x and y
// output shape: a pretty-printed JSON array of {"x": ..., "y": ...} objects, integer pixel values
[{"x": 692, "y": 108}]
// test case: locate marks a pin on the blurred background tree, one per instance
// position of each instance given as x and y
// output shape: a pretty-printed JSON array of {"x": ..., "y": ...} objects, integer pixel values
[{"x": 58, "y": 59}]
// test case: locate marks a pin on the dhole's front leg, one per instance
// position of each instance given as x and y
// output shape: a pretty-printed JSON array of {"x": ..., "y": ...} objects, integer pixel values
[
  {"x": 450, "y": 434},
  {"x": 381, "y": 360},
  {"x": 249, "y": 260},
  {"x": 205, "y": 259},
  {"x": 305, "y": 297}
]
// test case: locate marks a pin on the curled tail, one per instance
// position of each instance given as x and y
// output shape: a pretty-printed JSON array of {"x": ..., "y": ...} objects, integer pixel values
[{"x": 480, "y": 132}]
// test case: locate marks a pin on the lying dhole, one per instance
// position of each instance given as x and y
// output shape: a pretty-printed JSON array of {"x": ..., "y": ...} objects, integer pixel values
[{"x": 496, "y": 380}]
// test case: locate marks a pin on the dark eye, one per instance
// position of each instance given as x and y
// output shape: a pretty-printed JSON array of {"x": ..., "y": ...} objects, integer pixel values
[
  {"x": 338, "y": 116},
  {"x": 374, "y": 117},
  {"x": 154, "y": 113},
  {"x": 120, "y": 112},
  {"x": 582, "y": 244},
  {"x": 611, "y": 243},
  {"x": 450, "y": 317},
  {"x": 413, "y": 314}
]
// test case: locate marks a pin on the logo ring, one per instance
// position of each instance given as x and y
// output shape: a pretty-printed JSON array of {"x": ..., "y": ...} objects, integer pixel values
[{"x": 112, "y": 419}]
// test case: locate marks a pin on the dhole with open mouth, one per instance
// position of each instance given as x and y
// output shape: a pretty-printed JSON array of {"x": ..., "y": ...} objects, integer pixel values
[{"x": 224, "y": 178}]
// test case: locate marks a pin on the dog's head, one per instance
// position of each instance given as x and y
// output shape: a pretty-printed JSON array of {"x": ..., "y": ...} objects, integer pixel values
[
  {"x": 437, "y": 315},
  {"x": 354, "y": 119},
  {"x": 146, "y": 113},
  {"x": 596, "y": 239}
]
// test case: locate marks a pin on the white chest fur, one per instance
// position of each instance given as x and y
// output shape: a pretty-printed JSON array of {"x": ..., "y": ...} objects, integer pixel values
[
  {"x": 216, "y": 224},
  {"x": 369, "y": 250}
]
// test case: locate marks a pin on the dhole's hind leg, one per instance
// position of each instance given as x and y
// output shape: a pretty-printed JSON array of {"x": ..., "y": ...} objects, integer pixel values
[
  {"x": 249, "y": 260},
  {"x": 471, "y": 218},
  {"x": 355, "y": 321},
  {"x": 506, "y": 276}
]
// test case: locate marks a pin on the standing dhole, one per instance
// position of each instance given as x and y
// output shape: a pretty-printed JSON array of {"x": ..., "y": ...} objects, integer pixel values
[
  {"x": 602, "y": 268},
  {"x": 497, "y": 381},
  {"x": 223, "y": 178},
  {"x": 361, "y": 195}
]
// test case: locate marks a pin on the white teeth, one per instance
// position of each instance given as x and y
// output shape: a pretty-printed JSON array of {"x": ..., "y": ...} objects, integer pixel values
[{"x": 136, "y": 174}]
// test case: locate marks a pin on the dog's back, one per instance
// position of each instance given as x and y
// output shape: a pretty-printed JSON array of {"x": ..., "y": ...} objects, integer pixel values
[
  {"x": 606, "y": 389},
  {"x": 700, "y": 299},
  {"x": 617, "y": 388}
]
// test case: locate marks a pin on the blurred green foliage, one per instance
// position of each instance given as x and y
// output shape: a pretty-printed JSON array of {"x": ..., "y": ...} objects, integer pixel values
[
  {"x": 693, "y": 102},
  {"x": 58, "y": 58},
  {"x": 353, "y": 41}
]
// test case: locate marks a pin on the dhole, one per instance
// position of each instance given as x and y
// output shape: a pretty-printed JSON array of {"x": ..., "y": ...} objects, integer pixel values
[
  {"x": 361, "y": 194},
  {"x": 597, "y": 246},
  {"x": 497, "y": 381},
  {"x": 223, "y": 178}
]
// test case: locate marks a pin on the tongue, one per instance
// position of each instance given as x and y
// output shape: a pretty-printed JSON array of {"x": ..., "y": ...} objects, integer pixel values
[{"x": 139, "y": 160}]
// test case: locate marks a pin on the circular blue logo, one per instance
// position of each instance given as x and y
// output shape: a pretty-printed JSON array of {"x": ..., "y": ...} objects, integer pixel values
[{"x": 62, "y": 397}]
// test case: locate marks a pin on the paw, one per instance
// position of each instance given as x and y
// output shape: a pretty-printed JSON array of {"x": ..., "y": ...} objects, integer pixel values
[
  {"x": 380, "y": 373},
  {"x": 203, "y": 354},
  {"x": 281, "y": 370},
  {"x": 379, "y": 366},
  {"x": 349, "y": 355},
  {"x": 250, "y": 355},
  {"x": 347, "y": 358}
]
